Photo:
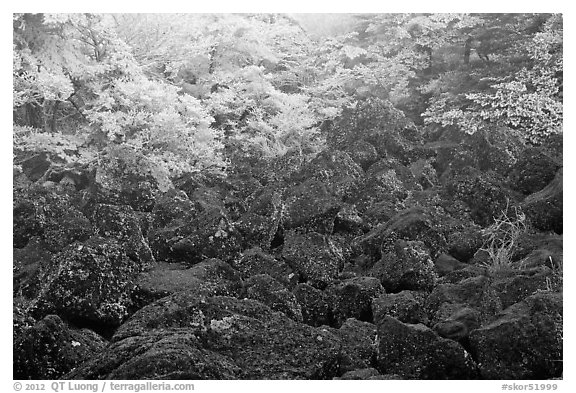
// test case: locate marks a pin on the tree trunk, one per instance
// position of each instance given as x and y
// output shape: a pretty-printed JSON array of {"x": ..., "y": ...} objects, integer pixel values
[
  {"x": 52, "y": 125},
  {"x": 467, "y": 49},
  {"x": 34, "y": 116}
]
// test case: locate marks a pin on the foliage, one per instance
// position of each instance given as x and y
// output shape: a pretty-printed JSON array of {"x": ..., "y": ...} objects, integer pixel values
[
  {"x": 502, "y": 239},
  {"x": 64, "y": 147},
  {"x": 526, "y": 97},
  {"x": 77, "y": 63},
  {"x": 193, "y": 92}
]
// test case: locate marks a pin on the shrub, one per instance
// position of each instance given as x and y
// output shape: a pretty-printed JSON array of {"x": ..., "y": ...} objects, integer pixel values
[{"x": 502, "y": 239}]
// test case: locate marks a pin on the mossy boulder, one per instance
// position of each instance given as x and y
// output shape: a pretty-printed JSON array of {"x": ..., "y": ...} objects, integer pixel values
[
  {"x": 50, "y": 349},
  {"x": 406, "y": 306},
  {"x": 375, "y": 187},
  {"x": 352, "y": 298},
  {"x": 49, "y": 215},
  {"x": 516, "y": 284},
  {"x": 310, "y": 205},
  {"x": 414, "y": 224},
  {"x": 408, "y": 266},
  {"x": 474, "y": 292},
  {"x": 544, "y": 208},
  {"x": 27, "y": 264},
  {"x": 88, "y": 283},
  {"x": 210, "y": 277},
  {"x": 315, "y": 304},
  {"x": 525, "y": 342},
  {"x": 417, "y": 352},
  {"x": 255, "y": 261},
  {"x": 36, "y": 166},
  {"x": 191, "y": 231},
  {"x": 358, "y": 344},
  {"x": 444, "y": 264},
  {"x": 270, "y": 292},
  {"x": 485, "y": 193},
  {"x": 313, "y": 256},
  {"x": 335, "y": 169},
  {"x": 458, "y": 325},
  {"x": 533, "y": 171},
  {"x": 363, "y": 153},
  {"x": 122, "y": 224},
  {"x": 191, "y": 336}
]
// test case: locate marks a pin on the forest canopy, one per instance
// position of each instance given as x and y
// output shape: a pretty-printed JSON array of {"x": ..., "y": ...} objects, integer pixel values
[{"x": 176, "y": 93}]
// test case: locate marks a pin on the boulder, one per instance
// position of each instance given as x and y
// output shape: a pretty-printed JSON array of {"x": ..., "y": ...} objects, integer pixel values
[
  {"x": 88, "y": 283},
  {"x": 533, "y": 171},
  {"x": 157, "y": 356},
  {"x": 474, "y": 293},
  {"x": 409, "y": 266},
  {"x": 515, "y": 285},
  {"x": 413, "y": 224},
  {"x": 362, "y": 153},
  {"x": 335, "y": 169},
  {"x": 525, "y": 342},
  {"x": 258, "y": 231},
  {"x": 380, "y": 212},
  {"x": 125, "y": 176},
  {"x": 367, "y": 374},
  {"x": 270, "y": 292},
  {"x": 382, "y": 185},
  {"x": 51, "y": 216},
  {"x": 530, "y": 241},
  {"x": 348, "y": 220},
  {"x": 544, "y": 208},
  {"x": 261, "y": 222},
  {"x": 358, "y": 349},
  {"x": 211, "y": 277},
  {"x": 192, "y": 231},
  {"x": 484, "y": 193},
  {"x": 315, "y": 305},
  {"x": 122, "y": 224},
  {"x": 445, "y": 264},
  {"x": 497, "y": 149},
  {"x": 27, "y": 263},
  {"x": 352, "y": 298},
  {"x": 36, "y": 166},
  {"x": 424, "y": 173},
  {"x": 370, "y": 119},
  {"x": 315, "y": 257},
  {"x": 172, "y": 206},
  {"x": 405, "y": 306},
  {"x": 50, "y": 349},
  {"x": 401, "y": 172},
  {"x": 463, "y": 243},
  {"x": 311, "y": 206},
  {"x": 458, "y": 325},
  {"x": 417, "y": 352},
  {"x": 255, "y": 261},
  {"x": 189, "y": 336},
  {"x": 457, "y": 276}
]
